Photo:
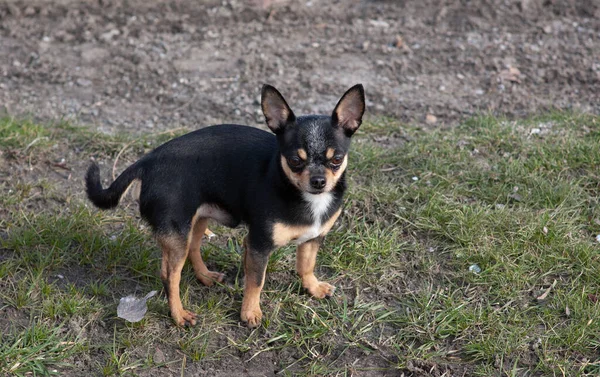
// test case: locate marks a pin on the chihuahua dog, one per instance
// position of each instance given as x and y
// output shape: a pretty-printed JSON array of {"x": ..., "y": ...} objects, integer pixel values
[{"x": 285, "y": 187}]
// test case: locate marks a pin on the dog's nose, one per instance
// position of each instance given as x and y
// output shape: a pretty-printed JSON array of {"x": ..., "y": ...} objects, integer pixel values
[{"x": 317, "y": 182}]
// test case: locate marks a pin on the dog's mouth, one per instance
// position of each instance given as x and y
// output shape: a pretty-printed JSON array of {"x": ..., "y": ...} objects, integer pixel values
[{"x": 315, "y": 191}]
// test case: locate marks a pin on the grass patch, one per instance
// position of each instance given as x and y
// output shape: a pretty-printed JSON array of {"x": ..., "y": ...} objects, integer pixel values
[
  {"x": 37, "y": 349},
  {"x": 515, "y": 199}
]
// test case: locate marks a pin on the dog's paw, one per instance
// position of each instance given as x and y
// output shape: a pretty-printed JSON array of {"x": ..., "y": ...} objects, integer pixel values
[
  {"x": 252, "y": 317},
  {"x": 321, "y": 289},
  {"x": 184, "y": 318},
  {"x": 210, "y": 278}
]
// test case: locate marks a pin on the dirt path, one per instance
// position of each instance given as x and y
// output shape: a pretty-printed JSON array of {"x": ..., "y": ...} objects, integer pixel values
[{"x": 139, "y": 66}]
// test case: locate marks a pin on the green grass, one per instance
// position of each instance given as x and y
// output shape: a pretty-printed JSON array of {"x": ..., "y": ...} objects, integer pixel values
[
  {"x": 33, "y": 349},
  {"x": 423, "y": 207}
]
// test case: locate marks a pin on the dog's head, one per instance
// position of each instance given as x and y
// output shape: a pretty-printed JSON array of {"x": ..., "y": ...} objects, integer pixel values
[{"x": 314, "y": 148}]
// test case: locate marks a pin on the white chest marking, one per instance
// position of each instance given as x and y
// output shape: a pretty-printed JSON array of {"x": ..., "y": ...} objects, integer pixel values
[{"x": 318, "y": 206}]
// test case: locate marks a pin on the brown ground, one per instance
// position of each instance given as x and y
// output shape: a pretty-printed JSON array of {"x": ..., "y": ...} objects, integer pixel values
[
  {"x": 139, "y": 65},
  {"x": 142, "y": 66}
]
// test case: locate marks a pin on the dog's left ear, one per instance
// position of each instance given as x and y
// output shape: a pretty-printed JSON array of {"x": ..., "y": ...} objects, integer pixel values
[
  {"x": 349, "y": 110},
  {"x": 277, "y": 112}
]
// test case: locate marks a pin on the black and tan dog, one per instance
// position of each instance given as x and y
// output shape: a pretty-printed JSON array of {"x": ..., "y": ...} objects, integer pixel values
[{"x": 284, "y": 187}]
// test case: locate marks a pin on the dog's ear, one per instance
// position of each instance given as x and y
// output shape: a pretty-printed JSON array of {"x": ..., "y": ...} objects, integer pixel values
[
  {"x": 277, "y": 112},
  {"x": 349, "y": 110}
]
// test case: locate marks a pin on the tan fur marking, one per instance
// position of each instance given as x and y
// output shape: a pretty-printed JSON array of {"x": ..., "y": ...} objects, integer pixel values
[
  {"x": 283, "y": 234},
  {"x": 333, "y": 177},
  {"x": 306, "y": 258},
  {"x": 325, "y": 228},
  {"x": 192, "y": 235},
  {"x": 197, "y": 230},
  {"x": 302, "y": 180},
  {"x": 174, "y": 251},
  {"x": 330, "y": 152},
  {"x": 306, "y": 255},
  {"x": 302, "y": 154},
  {"x": 254, "y": 271}
]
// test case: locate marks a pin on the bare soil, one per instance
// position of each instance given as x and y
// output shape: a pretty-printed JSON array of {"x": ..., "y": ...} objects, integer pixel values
[{"x": 139, "y": 65}]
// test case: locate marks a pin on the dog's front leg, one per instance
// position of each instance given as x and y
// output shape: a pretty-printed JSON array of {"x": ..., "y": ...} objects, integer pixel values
[
  {"x": 255, "y": 265},
  {"x": 306, "y": 258}
]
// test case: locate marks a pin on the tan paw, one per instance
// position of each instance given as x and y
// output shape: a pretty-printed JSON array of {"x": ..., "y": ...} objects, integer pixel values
[
  {"x": 252, "y": 317},
  {"x": 321, "y": 289},
  {"x": 210, "y": 278},
  {"x": 184, "y": 318}
]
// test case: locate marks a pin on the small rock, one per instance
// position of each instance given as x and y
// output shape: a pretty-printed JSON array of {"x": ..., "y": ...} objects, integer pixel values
[
  {"x": 109, "y": 35},
  {"x": 399, "y": 41},
  {"x": 511, "y": 74},
  {"x": 83, "y": 82},
  {"x": 94, "y": 54},
  {"x": 547, "y": 29},
  {"x": 29, "y": 11},
  {"x": 515, "y": 197},
  {"x": 378, "y": 23},
  {"x": 430, "y": 119},
  {"x": 159, "y": 356},
  {"x": 63, "y": 36}
]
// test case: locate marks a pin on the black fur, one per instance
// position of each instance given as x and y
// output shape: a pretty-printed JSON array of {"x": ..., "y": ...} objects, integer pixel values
[
  {"x": 109, "y": 198},
  {"x": 234, "y": 167}
]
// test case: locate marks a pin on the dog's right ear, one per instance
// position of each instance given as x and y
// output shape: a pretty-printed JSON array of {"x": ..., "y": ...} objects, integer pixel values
[{"x": 277, "y": 112}]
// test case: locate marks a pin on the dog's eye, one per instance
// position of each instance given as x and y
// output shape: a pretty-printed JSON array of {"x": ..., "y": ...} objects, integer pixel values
[
  {"x": 295, "y": 162},
  {"x": 337, "y": 160}
]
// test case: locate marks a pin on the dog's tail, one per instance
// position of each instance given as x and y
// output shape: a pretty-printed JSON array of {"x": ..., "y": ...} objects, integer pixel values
[{"x": 109, "y": 198}]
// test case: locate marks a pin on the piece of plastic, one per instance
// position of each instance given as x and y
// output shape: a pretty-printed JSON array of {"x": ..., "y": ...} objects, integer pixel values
[
  {"x": 474, "y": 268},
  {"x": 133, "y": 309}
]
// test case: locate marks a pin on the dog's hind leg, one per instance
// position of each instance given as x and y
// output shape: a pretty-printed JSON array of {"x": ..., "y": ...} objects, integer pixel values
[
  {"x": 174, "y": 253},
  {"x": 198, "y": 229}
]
